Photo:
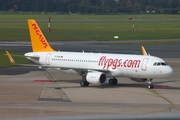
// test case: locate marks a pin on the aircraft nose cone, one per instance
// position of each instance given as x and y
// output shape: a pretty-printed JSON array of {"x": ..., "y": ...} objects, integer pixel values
[{"x": 169, "y": 71}]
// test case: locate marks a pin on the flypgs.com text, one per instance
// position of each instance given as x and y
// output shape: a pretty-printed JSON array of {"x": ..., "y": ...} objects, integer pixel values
[{"x": 114, "y": 63}]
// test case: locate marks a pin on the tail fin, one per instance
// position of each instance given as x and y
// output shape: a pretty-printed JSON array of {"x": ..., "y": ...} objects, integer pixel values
[{"x": 38, "y": 41}]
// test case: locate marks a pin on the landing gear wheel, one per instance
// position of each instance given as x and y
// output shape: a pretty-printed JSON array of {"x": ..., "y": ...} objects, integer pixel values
[
  {"x": 151, "y": 86},
  {"x": 113, "y": 81},
  {"x": 84, "y": 83}
]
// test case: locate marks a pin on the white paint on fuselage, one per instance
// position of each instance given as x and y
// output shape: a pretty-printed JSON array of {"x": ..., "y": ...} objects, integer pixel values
[{"x": 114, "y": 65}]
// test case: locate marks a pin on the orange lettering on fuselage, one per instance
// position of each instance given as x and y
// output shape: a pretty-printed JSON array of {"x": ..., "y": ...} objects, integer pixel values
[
  {"x": 114, "y": 63},
  {"x": 41, "y": 38}
]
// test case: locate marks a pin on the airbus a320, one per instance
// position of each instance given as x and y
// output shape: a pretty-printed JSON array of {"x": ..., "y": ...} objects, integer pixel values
[{"x": 95, "y": 68}]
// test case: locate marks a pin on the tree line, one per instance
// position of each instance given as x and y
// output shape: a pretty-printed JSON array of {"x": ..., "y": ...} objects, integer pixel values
[{"x": 92, "y": 6}]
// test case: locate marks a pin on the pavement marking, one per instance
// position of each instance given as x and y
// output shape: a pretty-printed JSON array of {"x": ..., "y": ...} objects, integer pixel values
[
  {"x": 160, "y": 96},
  {"x": 166, "y": 99},
  {"x": 49, "y": 76},
  {"x": 51, "y": 91}
]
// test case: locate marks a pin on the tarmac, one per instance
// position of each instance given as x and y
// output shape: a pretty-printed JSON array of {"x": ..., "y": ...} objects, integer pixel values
[
  {"x": 24, "y": 95},
  {"x": 28, "y": 93}
]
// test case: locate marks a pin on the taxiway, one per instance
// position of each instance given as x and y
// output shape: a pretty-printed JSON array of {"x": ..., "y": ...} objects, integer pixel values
[{"x": 24, "y": 96}]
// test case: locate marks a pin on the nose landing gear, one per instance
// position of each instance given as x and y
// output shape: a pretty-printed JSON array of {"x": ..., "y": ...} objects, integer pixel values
[{"x": 150, "y": 85}]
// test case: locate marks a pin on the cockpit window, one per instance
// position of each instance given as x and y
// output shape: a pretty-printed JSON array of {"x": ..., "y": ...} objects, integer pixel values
[
  {"x": 164, "y": 64},
  {"x": 155, "y": 64},
  {"x": 160, "y": 64}
]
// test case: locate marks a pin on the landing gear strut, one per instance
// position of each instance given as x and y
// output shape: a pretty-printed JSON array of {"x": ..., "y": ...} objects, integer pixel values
[
  {"x": 84, "y": 82},
  {"x": 150, "y": 85},
  {"x": 113, "y": 81}
]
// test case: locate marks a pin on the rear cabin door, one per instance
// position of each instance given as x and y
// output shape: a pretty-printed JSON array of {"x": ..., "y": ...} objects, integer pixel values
[{"x": 48, "y": 59}]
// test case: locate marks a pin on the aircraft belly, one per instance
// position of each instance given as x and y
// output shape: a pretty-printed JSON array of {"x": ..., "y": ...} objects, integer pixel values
[
  {"x": 114, "y": 73},
  {"x": 136, "y": 73}
]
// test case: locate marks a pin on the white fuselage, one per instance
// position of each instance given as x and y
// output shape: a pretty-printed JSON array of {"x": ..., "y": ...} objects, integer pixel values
[{"x": 113, "y": 65}]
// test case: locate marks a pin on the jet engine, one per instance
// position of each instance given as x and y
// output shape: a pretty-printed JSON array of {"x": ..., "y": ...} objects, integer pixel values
[{"x": 96, "y": 77}]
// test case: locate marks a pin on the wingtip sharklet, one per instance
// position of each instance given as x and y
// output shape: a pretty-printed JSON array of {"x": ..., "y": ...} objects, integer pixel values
[
  {"x": 143, "y": 51},
  {"x": 10, "y": 57}
]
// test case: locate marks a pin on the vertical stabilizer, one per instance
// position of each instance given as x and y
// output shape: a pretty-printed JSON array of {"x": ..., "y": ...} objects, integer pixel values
[{"x": 38, "y": 41}]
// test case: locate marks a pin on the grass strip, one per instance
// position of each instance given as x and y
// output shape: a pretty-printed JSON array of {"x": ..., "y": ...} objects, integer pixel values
[
  {"x": 146, "y": 43},
  {"x": 25, "y": 16},
  {"x": 88, "y": 31}
]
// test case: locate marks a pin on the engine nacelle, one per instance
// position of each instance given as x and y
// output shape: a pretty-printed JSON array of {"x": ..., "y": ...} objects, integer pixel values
[{"x": 96, "y": 77}]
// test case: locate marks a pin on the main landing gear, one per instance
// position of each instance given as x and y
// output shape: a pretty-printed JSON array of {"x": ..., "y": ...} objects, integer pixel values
[
  {"x": 113, "y": 81},
  {"x": 150, "y": 85},
  {"x": 84, "y": 82}
]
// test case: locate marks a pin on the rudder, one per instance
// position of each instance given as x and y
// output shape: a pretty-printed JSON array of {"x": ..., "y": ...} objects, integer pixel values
[{"x": 38, "y": 41}]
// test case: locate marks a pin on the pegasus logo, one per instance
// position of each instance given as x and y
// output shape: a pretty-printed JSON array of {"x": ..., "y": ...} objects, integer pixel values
[{"x": 39, "y": 34}]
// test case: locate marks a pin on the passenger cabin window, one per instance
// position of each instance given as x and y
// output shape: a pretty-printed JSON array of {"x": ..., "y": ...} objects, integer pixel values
[{"x": 160, "y": 64}]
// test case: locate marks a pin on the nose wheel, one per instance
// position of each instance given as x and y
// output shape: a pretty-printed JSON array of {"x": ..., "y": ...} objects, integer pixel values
[{"x": 150, "y": 86}]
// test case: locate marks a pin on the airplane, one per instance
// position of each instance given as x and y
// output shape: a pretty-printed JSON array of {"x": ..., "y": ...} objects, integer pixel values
[{"x": 94, "y": 68}]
